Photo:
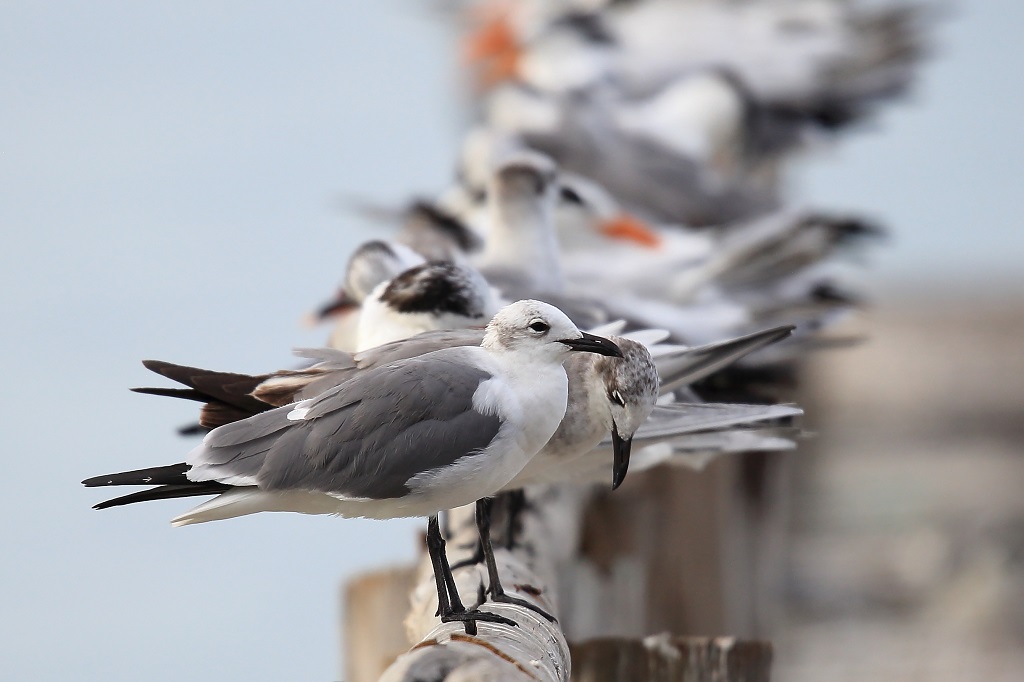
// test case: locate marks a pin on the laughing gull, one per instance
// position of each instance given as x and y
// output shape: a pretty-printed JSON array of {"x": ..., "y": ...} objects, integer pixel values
[
  {"x": 409, "y": 438},
  {"x": 607, "y": 396}
]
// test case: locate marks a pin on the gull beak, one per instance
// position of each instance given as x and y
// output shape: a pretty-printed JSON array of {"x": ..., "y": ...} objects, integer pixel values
[
  {"x": 589, "y": 343},
  {"x": 620, "y": 461},
  {"x": 339, "y": 304},
  {"x": 628, "y": 228}
]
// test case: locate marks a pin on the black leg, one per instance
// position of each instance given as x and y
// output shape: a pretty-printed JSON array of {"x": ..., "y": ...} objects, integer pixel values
[
  {"x": 435, "y": 549},
  {"x": 449, "y": 605},
  {"x": 477, "y": 557},
  {"x": 515, "y": 503},
  {"x": 497, "y": 592}
]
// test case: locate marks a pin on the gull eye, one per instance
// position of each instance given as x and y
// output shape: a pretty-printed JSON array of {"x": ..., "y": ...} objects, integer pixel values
[
  {"x": 616, "y": 398},
  {"x": 539, "y": 326}
]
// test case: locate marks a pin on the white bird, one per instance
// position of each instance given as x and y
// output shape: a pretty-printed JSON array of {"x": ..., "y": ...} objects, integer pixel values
[
  {"x": 590, "y": 133},
  {"x": 410, "y": 438},
  {"x": 520, "y": 243}
]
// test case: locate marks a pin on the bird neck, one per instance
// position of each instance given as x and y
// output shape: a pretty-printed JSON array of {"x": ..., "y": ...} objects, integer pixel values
[
  {"x": 522, "y": 238},
  {"x": 587, "y": 419}
]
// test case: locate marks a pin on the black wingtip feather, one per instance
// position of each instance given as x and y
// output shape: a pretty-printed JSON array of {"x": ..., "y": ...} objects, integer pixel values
[
  {"x": 183, "y": 393},
  {"x": 194, "y": 429},
  {"x": 165, "y": 492},
  {"x": 172, "y": 474}
]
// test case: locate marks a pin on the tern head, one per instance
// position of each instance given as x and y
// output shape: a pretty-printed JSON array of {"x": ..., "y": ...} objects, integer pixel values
[
  {"x": 541, "y": 43},
  {"x": 525, "y": 177},
  {"x": 435, "y": 295},
  {"x": 441, "y": 288},
  {"x": 585, "y": 209},
  {"x": 543, "y": 330},
  {"x": 437, "y": 233},
  {"x": 629, "y": 386},
  {"x": 369, "y": 265}
]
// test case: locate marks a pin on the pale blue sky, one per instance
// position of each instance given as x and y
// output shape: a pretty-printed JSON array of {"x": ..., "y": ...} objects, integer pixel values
[{"x": 170, "y": 176}]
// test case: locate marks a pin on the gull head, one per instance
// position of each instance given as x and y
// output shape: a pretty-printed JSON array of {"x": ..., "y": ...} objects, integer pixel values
[
  {"x": 630, "y": 388},
  {"x": 543, "y": 331}
]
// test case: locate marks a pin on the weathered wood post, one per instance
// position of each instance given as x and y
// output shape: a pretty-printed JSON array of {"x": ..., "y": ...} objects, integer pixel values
[{"x": 598, "y": 571}]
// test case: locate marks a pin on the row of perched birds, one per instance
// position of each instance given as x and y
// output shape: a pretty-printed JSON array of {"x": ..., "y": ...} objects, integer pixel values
[{"x": 623, "y": 179}]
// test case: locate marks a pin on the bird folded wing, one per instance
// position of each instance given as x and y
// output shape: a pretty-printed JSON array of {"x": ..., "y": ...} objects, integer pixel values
[{"x": 366, "y": 438}]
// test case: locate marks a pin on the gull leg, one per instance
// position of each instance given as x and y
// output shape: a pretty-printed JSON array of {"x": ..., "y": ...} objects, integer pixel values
[
  {"x": 515, "y": 503},
  {"x": 497, "y": 592},
  {"x": 449, "y": 604},
  {"x": 476, "y": 558}
]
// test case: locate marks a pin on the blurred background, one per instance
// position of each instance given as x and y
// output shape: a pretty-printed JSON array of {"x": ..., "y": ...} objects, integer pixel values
[{"x": 174, "y": 185}]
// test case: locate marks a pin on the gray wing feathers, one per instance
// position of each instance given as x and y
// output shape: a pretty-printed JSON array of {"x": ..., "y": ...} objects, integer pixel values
[
  {"x": 669, "y": 421},
  {"x": 334, "y": 367},
  {"x": 365, "y": 438},
  {"x": 420, "y": 344},
  {"x": 692, "y": 364}
]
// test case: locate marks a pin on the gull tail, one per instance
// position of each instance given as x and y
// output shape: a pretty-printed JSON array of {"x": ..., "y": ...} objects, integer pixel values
[
  {"x": 231, "y": 503},
  {"x": 226, "y": 395},
  {"x": 227, "y": 387},
  {"x": 244, "y": 500}
]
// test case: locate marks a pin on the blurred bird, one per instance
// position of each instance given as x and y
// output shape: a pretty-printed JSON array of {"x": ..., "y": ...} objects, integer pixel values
[
  {"x": 371, "y": 264},
  {"x": 435, "y": 295},
  {"x": 831, "y": 62}
]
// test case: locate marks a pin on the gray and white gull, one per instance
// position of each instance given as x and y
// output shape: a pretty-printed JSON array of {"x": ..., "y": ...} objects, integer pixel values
[{"x": 408, "y": 438}]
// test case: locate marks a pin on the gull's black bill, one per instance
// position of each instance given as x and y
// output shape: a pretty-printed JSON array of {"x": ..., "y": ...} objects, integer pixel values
[
  {"x": 590, "y": 343},
  {"x": 620, "y": 458}
]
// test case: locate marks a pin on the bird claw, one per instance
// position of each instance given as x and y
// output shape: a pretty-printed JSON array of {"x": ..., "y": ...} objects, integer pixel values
[{"x": 470, "y": 618}]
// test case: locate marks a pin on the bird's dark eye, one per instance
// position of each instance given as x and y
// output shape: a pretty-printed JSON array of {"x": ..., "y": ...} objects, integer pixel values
[
  {"x": 616, "y": 398},
  {"x": 570, "y": 196},
  {"x": 539, "y": 326}
]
